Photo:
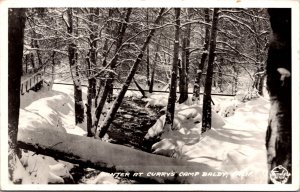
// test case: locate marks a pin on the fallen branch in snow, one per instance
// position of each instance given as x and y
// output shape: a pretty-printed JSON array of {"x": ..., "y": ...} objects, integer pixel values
[{"x": 113, "y": 158}]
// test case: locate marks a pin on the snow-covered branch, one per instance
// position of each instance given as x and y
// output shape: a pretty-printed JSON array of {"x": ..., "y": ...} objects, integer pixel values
[{"x": 237, "y": 21}]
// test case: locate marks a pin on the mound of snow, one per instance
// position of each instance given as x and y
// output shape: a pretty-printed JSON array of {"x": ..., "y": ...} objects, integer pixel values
[
  {"x": 234, "y": 145},
  {"x": 157, "y": 100},
  {"x": 47, "y": 109},
  {"x": 50, "y": 110},
  {"x": 104, "y": 178},
  {"x": 40, "y": 169},
  {"x": 185, "y": 118},
  {"x": 226, "y": 108}
]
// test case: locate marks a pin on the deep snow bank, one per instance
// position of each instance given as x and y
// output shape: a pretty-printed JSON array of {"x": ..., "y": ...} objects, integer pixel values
[
  {"x": 46, "y": 110},
  {"x": 235, "y": 144}
]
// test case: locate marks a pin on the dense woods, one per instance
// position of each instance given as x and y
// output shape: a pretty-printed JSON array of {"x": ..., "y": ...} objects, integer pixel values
[{"x": 190, "y": 54}]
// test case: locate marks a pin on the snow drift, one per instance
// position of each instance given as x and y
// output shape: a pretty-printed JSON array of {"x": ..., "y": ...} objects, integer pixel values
[{"x": 235, "y": 144}]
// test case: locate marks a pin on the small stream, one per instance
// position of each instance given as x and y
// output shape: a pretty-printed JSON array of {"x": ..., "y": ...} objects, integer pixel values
[
  {"x": 132, "y": 123},
  {"x": 129, "y": 127}
]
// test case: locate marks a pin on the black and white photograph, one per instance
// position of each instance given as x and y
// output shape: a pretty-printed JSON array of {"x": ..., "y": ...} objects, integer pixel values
[{"x": 132, "y": 94}]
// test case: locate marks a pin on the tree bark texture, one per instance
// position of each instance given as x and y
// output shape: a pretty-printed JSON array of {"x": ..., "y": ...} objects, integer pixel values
[
  {"x": 117, "y": 103},
  {"x": 93, "y": 53},
  {"x": 148, "y": 52},
  {"x": 91, "y": 64},
  {"x": 79, "y": 108},
  {"x": 16, "y": 25},
  {"x": 196, "y": 91},
  {"x": 89, "y": 120},
  {"x": 206, "y": 113},
  {"x": 184, "y": 81},
  {"x": 279, "y": 133},
  {"x": 105, "y": 53},
  {"x": 172, "y": 94}
]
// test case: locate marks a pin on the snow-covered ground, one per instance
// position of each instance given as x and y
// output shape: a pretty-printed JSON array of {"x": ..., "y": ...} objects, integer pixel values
[
  {"x": 50, "y": 110},
  {"x": 234, "y": 145}
]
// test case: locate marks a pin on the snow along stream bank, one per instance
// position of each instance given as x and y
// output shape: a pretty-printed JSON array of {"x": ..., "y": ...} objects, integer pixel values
[{"x": 235, "y": 144}]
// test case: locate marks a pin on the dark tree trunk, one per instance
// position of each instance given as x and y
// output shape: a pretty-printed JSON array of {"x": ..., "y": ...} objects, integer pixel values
[
  {"x": 38, "y": 53},
  {"x": 236, "y": 76},
  {"x": 34, "y": 44},
  {"x": 172, "y": 94},
  {"x": 89, "y": 120},
  {"x": 104, "y": 55},
  {"x": 151, "y": 84},
  {"x": 93, "y": 53},
  {"x": 91, "y": 64},
  {"x": 196, "y": 91},
  {"x": 140, "y": 88},
  {"x": 206, "y": 113},
  {"x": 32, "y": 61},
  {"x": 154, "y": 66},
  {"x": 148, "y": 67},
  {"x": 16, "y": 25},
  {"x": 112, "y": 112},
  {"x": 26, "y": 63},
  {"x": 220, "y": 75},
  {"x": 148, "y": 54},
  {"x": 108, "y": 84},
  {"x": 79, "y": 108},
  {"x": 183, "y": 74},
  {"x": 52, "y": 70},
  {"x": 279, "y": 136},
  {"x": 260, "y": 85},
  {"x": 184, "y": 81}
]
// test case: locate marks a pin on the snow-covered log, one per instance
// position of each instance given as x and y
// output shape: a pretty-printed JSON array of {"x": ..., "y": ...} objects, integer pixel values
[{"x": 114, "y": 158}]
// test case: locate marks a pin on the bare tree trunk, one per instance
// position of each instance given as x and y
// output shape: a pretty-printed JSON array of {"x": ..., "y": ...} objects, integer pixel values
[
  {"x": 172, "y": 94},
  {"x": 52, "y": 70},
  {"x": 279, "y": 133},
  {"x": 196, "y": 91},
  {"x": 182, "y": 74},
  {"x": 93, "y": 54},
  {"x": 26, "y": 63},
  {"x": 79, "y": 108},
  {"x": 154, "y": 66},
  {"x": 148, "y": 67},
  {"x": 89, "y": 120},
  {"x": 34, "y": 44},
  {"x": 206, "y": 113},
  {"x": 220, "y": 75},
  {"x": 151, "y": 84},
  {"x": 16, "y": 25},
  {"x": 140, "y": 89},
  {"x": 148, "y": 54},
  {"x": 104, "y": 55},
  {"x": 109, "y": 81},
  {"x": 184, "y": 82},
  {"x": 32, "y": 61},
  {"x": 112, "y": 112},
  {"x": 91, "y": 64}
]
